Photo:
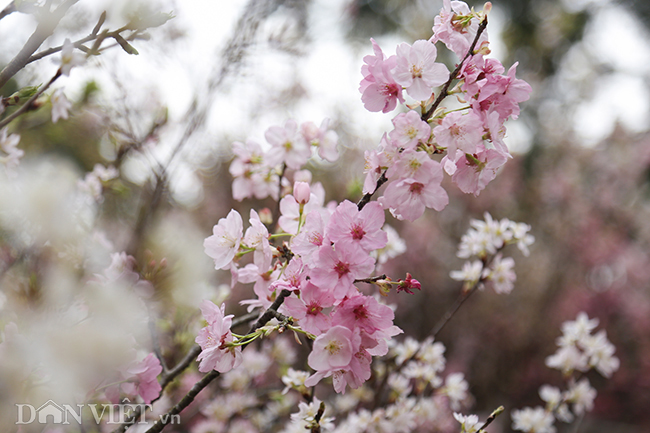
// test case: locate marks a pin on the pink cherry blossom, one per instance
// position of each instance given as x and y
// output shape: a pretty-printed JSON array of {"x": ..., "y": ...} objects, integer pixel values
[
  {"x": 257, "y": 238},
  {"x": 407, "y": 198},
  {"x": 333, "y": 350},
  {"x": 323, "y": 138},
  {"x": 503, "y": 93},
  {"x": 379, "y": 91},
  {"x": 407, "y": 284},
  {"x": 301, "y": 192},
  {"x": 292, "y": 211},
  {"x": 337, "y": 269},
  {"x": 293, "y": 277},
  {"x": 262, "y": 277},
  {"x": 288, "y": 145},
  {"x": 410, "y": 163},
  {"x": 310, "y": 238},
  {"x": 417, "y": 69},
  {"x": 363, "y": 312},
  {"x": 145, "y": 383},
  {"x": 454, "y": 28},
  {"x": 474, "y": 172},
  {"x": 460, "y": 131},
  {"x": 308, "y": 309},
  {"x": 215, "y": 355},
  {"x": 409, "y": 130},
  {"x": 348, "y": 225},
  {"x": 225, "y": 240}
]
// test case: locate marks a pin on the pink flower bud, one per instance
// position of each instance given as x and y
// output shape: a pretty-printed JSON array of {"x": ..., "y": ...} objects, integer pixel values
[
  {"x": 301, "y": 192},
  {"x": 408, "y": 284},
  {"x": 266, "y": 216}
]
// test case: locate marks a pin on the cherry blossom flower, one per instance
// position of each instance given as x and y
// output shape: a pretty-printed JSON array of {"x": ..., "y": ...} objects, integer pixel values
[
  {"x": 257, "y": 238},
  {"x": 337, "y": 269},
  {"x": 363, "y": 312},
  {"x": 409, "y": 130},
  {"x": 60, "y": 105},
  {"x": 416, "y": 69},
  {"x": 225, "y": 240},
  {"x": 301, "y": 192},
  {"x": 332, "y": 350},
  {"x": 468, "y": 423},
  {"x": 323, "y": 138},
  {"x": 288, "y": 144},
  {"x": 501, "y": 274},
  {"x": 310, "y": 238},
  {"x": 349, "y": 225},
  {"x": 407, "y": 198},
  {"x": 503, "y": 93},
  {"x": 215, "y": 355},
  {"x": 379, "y": 90},
  {"x": 474, "y": 172},
  {"x": 145, "y": 383},
  {"x": 459, "y": 131},
  {"x": 70, "y": 58},
  {"x": 456, "y": 28},
  {"x": 308, "y": 309},
  {"x": 293, "y": 277},
  {"x": 581, "y": 395},
  {"x": 535, "y": 420}
]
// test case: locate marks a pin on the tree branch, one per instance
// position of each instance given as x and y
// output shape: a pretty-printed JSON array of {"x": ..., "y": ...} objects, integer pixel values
[
  {"x": 27, "y": 105},
  {"x": 43, "y": 31}
]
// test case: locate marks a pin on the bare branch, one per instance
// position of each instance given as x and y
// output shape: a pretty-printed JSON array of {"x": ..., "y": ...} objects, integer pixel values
[{"x": 43, "y": 31}]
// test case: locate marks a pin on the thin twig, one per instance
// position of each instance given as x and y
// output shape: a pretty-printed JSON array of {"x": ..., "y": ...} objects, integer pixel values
[
  {"x": 370, "y": 280},
  {"x": 498, "y": 411},
  {"x": 270, "y": 313},
  {"x": 43, "y": 31},
  {"x": 9, "y": 9},
  {"x": 27, "y": 105},
  {"x": 189, "y": 397},
  {"x": 464, "y": 296}
]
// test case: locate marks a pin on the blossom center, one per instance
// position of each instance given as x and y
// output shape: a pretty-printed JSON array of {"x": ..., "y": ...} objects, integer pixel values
[
  {"x": 357, "y": 232},
  {"x": 333, "y": 347},
  {"x": 313, "y": 309},
  {"x": 342, "y": 268},
  {"x": 416, "y": 188},
  {"x": 360, "y": 312}
]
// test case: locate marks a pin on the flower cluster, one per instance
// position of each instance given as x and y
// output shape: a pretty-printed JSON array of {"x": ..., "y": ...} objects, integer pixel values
[
  {"x": 579, "y": 351},
  {"x": 257, "y": 172},
  {"x": 330, "y": 249},
  {"x": 485, "y": 239},
  {"x": 470, "y": 136},
  {"x": 216, "y": 354}
]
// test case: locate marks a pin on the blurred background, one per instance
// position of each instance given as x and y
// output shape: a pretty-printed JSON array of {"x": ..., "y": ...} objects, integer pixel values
[{"x": 220, "y": 72}]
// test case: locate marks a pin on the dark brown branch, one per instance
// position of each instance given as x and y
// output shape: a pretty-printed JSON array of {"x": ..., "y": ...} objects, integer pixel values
[
  {"x": 185, "y": 401},
  {"x": 270, "y": 313},
  {"x": 366, "y": 198}
]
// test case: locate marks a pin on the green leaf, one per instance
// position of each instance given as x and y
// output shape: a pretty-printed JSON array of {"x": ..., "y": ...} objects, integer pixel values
[{"x": 125, "y": 45}]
